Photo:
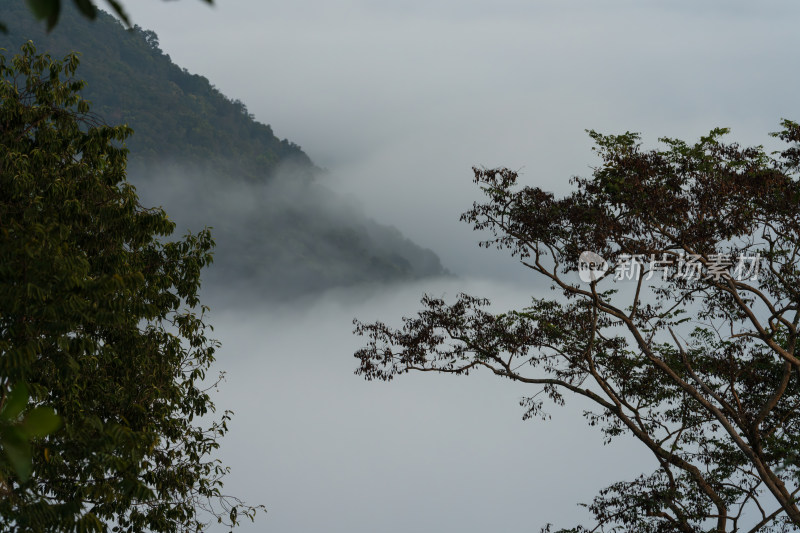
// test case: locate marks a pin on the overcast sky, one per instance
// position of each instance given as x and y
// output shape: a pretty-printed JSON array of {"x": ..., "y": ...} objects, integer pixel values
[{"x": 399, "y": 100}]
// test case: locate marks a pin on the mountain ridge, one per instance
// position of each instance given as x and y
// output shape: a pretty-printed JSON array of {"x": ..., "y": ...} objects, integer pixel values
[{"x": 129, "y": 79}]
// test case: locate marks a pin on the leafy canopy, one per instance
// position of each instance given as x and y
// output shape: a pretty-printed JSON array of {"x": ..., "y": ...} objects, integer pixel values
[
  {"x": 702, "y": 369},
  {"x": 100, "y": 322}
]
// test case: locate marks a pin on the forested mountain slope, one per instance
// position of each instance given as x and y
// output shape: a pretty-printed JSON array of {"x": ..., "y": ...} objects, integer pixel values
[
  {"x": 174, "y": 113},
  {"x": 202, "y": 156}
]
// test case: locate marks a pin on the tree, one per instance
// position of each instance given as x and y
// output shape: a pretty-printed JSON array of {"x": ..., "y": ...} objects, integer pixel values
[
  {"x": 682, "y": 329},
  {"x": 101, "y": 322}
]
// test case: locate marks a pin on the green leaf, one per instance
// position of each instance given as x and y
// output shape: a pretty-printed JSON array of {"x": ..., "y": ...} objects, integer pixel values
[
  {"x": 15, "y": 402},
  {"x": 233, "y": 514},
  {"x": 46, "y": 9},
  {"x": 87, "y": 8},
  {"x": 118, "y": 9},
  {"x": 40, "y": 422},
  {"x": 17, "y": 450}
]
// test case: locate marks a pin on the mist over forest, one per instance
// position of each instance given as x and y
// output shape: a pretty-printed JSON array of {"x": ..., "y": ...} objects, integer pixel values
[
  {"x": 281, "y": 231},
  {"x": 330, "y": 149}
]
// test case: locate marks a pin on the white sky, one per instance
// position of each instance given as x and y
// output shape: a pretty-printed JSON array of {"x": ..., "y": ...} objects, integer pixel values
[{"x": 400, "y": 100}]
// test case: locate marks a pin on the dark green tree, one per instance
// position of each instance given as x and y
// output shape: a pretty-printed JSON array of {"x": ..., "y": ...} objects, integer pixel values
[
  {"x": 100, "y": 321},
  {"x": 676, "y": 278}
]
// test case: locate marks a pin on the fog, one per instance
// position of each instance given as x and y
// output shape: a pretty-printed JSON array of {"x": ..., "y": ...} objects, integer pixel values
[
  {"x": 283, "y": 238},
  {"x": 325, "y": 450},
  {"x": 399, "y": 101},
  {"x": 322, "y": 448}
]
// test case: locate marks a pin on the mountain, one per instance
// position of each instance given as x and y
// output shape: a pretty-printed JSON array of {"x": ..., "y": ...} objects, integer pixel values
[
  {"x": 175, "y": 114},
  {"x": 280, "y": 231}
]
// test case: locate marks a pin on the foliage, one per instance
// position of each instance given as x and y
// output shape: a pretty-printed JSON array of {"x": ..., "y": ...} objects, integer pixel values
[
  {"x": 100, "y": 321},
  {"x": 702, "y": 369}
]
